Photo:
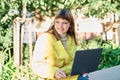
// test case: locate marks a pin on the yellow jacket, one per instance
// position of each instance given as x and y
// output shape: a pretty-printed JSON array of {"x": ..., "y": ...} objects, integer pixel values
[{"x": 50, "y": 55}]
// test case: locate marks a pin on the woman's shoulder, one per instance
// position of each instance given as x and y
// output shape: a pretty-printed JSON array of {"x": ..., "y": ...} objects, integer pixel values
[
  {"x": 46, "y": 35},
  {"x": 70, "y": 37}
]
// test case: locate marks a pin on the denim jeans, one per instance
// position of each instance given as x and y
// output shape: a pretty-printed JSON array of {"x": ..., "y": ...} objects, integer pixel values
[{"x": 83, "y": 78}]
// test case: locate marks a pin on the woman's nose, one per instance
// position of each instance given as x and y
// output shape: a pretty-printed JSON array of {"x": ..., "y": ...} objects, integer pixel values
[{"x": 60, "y": 24}]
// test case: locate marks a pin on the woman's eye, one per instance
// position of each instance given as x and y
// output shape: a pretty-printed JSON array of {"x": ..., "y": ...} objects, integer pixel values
[
  {"x": 65, "y": 23},
  {"x": 57, "y": 22}
]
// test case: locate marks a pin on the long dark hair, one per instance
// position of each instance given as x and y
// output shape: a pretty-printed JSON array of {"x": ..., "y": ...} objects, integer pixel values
[{"x": 64, "y": 14}]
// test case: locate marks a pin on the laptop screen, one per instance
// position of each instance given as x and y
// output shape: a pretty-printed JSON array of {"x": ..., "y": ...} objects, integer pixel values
[{"x": 86, "y": 61}]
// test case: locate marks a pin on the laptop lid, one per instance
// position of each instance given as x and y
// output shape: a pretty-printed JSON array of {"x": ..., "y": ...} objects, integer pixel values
[{"x": 86, "y": 61}]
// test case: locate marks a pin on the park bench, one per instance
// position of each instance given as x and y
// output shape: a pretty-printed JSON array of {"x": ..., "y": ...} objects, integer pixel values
[{"x": 112, "y": 73}]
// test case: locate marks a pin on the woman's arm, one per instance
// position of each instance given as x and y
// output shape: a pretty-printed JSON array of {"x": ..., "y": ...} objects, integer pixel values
[{"x": 42, "y": 61}]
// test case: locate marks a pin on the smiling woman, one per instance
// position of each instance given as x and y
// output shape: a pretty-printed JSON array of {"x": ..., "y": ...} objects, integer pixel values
[
  {"x": 55, "y": 50},
  {"x": 61, "y": 26}
]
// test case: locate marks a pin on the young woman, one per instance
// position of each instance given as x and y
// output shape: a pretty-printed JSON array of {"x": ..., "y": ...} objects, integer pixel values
[{"x": 54, "y": 50}]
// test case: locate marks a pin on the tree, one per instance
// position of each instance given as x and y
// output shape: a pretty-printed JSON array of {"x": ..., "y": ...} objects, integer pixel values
[{"x": 10, "y": 9}]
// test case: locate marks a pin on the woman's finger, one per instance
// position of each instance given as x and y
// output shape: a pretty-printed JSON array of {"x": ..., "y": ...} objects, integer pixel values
[{"x": 63, "y": 75}]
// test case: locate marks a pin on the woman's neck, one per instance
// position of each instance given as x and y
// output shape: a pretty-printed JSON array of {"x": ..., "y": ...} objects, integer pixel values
[
  {"x": 64, "y": 39},
  {"x": 63, "y": 35}
]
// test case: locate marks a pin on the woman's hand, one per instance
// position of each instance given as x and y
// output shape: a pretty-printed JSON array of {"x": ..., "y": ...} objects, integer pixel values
[{"x": 60, "y": 74}]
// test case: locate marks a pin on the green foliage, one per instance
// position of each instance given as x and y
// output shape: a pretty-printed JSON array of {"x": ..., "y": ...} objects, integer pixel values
[
  {"x": 6, "y": 37},
  {"x": 110, "y": 56},
  {"x": 10, "y": 72},
  {"x": 99, "y": 8},
  {"x": 90, "y": 43},
  {"x": 10, "y": 9},
  {"x": 7, "y": 70}
]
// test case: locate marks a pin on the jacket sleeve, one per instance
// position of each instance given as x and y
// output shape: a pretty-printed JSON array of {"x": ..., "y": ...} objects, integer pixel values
[
  {"x": 74, "y": 77},
  {"x": 67, "y": 68},
  {"x": 42, "y": 61}
]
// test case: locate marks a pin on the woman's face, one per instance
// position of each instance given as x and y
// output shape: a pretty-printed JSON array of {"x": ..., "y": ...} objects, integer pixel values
[{"x": 61, "y": 26}]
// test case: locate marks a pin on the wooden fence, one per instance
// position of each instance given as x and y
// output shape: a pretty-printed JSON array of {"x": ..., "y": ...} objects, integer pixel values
[{"x": 19, "y": 24}]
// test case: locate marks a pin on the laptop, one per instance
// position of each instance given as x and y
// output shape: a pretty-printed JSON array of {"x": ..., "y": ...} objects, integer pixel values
[{"x": 86, "y": 61}]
